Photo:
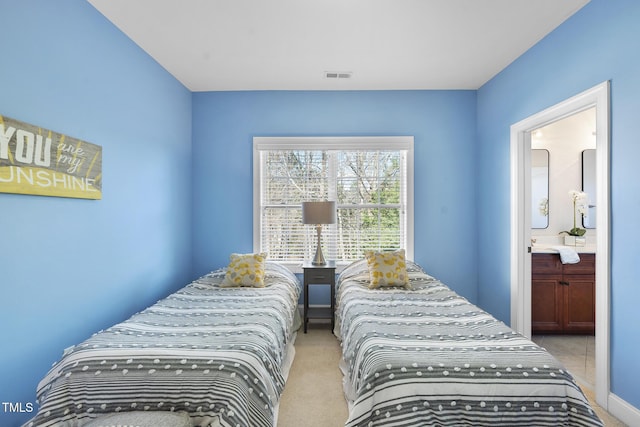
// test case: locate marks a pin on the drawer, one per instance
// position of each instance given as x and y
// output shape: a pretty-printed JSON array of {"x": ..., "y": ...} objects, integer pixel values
[
  {"x": 546, "y": 264},
  {"x": 319, "y": 275},
  {"x": 587, "y": 265}
]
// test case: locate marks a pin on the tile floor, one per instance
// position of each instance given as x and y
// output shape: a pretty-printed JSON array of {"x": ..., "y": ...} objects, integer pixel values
[{"x": 577, "y": 354}]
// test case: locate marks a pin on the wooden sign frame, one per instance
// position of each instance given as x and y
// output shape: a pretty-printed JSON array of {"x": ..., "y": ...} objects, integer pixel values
[{"x": 45, "y": 163}]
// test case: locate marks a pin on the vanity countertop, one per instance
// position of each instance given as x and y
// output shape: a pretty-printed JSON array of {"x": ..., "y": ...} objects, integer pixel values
[{"x": 537, "y": 248}]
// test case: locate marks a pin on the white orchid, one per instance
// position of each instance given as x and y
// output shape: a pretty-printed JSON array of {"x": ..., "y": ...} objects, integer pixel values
[
  {"x": 580, "y": 205},
  {"x": 543, "y": 206},
  {"x": 580, "y": 201}
]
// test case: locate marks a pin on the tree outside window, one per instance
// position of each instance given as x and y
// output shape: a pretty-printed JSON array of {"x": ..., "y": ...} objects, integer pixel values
[{"x": 369, "y": 184}]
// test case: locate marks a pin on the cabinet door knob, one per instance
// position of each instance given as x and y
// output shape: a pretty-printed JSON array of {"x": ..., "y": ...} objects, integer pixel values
[{"x": 564, "y": 283}]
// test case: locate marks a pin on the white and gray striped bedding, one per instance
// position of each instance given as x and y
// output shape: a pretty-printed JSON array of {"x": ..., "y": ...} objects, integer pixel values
[
  {"x": 428, "y": 357},
  {"x": 215, "y": 353}
]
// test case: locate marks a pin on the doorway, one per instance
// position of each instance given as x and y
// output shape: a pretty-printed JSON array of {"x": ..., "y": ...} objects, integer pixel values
[
  {"x": 521, "y": 219},
  {"x": 561, "y": 166}
]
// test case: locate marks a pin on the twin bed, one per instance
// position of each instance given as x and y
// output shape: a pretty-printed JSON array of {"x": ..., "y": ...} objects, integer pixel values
[
  {"x": 220, "y": 354},
  {"x": 414, "y": 355},
  {"x": 422, "y": 355}
]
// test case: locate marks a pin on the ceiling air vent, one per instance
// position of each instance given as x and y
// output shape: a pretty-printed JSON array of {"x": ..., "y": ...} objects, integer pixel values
[{"x": 337, "y": 75}]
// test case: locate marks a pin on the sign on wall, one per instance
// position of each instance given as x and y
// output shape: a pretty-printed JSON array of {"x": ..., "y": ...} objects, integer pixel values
[{"x": 45, "y": 163}]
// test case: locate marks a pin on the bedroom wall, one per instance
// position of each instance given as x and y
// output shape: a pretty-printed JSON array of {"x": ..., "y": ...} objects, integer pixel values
[
  {"x": 70, "y": 267},
  {"x": 598, "y": 43},
  {"x": 442, "y": 122}
]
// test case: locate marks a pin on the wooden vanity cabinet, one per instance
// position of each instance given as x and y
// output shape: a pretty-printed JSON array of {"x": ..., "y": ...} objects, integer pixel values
[{"x": 563, "y": 295}]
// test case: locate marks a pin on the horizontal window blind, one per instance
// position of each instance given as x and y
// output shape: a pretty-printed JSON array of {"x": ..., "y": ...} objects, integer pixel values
[{"x": 369, "y": 178}]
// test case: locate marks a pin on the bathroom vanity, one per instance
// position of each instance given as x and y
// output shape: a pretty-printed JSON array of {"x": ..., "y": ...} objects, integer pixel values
[{"x": 562, "y": 295}]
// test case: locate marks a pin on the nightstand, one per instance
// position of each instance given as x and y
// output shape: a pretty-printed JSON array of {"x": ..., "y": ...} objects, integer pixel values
[{"x": 319, "y": 275}]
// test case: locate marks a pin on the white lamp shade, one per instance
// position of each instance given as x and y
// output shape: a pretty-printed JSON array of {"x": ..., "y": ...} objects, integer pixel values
[{"x": 318, "y": 212}]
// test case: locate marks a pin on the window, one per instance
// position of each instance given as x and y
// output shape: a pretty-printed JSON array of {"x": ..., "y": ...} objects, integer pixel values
[{"x": 370, "y": 178}]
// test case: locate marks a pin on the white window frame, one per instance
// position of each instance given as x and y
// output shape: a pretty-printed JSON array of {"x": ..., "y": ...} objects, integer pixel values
[{"x": 372, "y": 143}]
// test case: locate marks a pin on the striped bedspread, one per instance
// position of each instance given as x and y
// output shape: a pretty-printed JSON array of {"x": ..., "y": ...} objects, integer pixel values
[
  {"x": 428, "y": 357},
  {"x": 215, "y": 353}
]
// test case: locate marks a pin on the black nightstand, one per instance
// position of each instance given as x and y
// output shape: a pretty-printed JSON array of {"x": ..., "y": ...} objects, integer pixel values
[{"x": 319, "y": 275}]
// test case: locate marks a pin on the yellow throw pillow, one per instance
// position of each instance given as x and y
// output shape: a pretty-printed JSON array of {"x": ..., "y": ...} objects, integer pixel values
[
  {"x": 245, "y": 270},
  {"x": 387, "y": 269}
]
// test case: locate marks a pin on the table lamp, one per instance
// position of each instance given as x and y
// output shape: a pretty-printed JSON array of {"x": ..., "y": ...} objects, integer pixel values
[{"x": 318, "y": 213}]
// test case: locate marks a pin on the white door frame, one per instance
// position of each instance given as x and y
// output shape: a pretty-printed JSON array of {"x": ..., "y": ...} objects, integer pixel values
[{"x": 597, "y": 97}]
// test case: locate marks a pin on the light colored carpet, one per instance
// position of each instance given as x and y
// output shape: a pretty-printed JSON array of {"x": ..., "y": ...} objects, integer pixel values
[
  {"x": 608, "y": 419},
  {"x": 313, "y": 394},
  {"x": 577, "y": 354}
]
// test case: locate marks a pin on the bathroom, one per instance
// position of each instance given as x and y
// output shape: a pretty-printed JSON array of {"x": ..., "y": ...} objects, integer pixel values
[
  {"x": 563, "y": 160},
  {"x": 563, "y": 266}
]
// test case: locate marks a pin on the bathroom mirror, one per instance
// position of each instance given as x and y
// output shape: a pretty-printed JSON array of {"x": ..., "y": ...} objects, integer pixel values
[
  {"x": 539, "y": 188},
  {"x": 589, "y": 186}
]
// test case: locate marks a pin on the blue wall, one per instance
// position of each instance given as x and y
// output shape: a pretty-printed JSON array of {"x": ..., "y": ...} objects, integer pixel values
[
  {"x": 601, "y": 42},
  {"x": 69, "y": 267},
  {"x": 442, "y": 122}
]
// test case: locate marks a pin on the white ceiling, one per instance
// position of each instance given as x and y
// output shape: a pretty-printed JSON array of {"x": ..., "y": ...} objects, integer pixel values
[{"x": 217, "y": 45}]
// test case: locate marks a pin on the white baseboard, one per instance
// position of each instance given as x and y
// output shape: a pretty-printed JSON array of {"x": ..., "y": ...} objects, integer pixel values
[{"x": 623, "y": 410}]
